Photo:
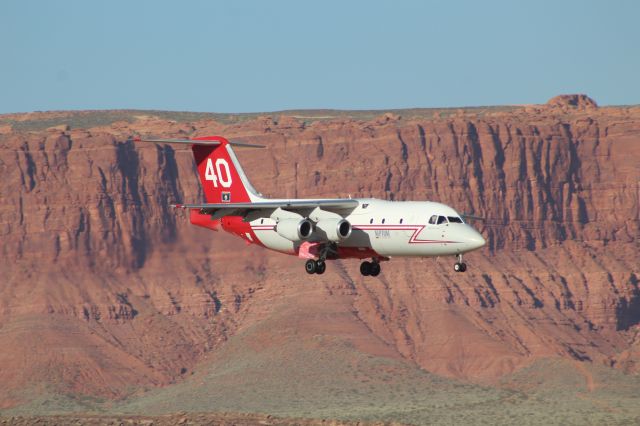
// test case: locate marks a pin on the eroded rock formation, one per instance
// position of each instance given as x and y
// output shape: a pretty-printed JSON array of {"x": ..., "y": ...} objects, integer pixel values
[{"x": 106, "y": 291}]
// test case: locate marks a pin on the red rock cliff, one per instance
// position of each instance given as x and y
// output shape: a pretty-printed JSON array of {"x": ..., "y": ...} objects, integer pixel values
[{"x": 105, "y": 289}]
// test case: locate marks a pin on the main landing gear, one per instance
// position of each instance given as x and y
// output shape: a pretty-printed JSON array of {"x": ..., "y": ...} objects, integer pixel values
[
  {"x": 370, "y": 268},
  {"x": 318, "y": 266},
  {"x": 315, "y": 266},
  {"x": 460, "y": 266}
]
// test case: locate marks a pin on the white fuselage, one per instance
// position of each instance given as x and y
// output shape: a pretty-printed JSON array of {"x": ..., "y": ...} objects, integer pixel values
[{"x": 390, "y": 228}]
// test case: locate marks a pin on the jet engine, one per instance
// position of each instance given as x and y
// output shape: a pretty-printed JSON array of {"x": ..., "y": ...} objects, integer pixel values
[
  {"x": 334, "y": 229},
  {"x": 295, "y": 229}
]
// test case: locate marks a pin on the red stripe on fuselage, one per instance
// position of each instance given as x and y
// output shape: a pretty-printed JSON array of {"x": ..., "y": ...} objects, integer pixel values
[
  {"x": 236, "y": 226},
  {"x": 417, "y": 229},
  {"x": 264, "y": 228}
]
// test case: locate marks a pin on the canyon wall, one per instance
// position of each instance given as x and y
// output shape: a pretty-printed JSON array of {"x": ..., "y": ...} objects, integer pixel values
[{"x": 106, "y": 291}]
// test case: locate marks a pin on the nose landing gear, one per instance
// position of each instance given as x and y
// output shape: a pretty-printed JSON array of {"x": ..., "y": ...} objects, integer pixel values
[
  {"x": 370, "y": 268},
  {"x": 460, "y": 266}
]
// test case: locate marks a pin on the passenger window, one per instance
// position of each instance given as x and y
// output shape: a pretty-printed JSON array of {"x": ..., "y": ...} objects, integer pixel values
[
  {"x": 433, "y": 219},
  {"x": 454, "y": 219},
  {"x": 441, "y": 220}
]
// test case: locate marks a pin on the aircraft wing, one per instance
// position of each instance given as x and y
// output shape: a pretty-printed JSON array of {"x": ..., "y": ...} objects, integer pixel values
[{"x": 218, "y": 210}]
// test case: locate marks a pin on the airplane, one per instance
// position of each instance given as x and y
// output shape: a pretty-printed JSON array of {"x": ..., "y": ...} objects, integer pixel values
[{"x": 323, "y": 229}]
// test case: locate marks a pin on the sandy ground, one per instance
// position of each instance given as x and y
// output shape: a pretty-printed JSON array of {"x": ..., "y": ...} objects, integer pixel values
[{"x": 223, "y": 419}]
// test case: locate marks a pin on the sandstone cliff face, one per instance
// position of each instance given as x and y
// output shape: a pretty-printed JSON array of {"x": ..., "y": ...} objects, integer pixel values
[{"x": 105, "y": 290}]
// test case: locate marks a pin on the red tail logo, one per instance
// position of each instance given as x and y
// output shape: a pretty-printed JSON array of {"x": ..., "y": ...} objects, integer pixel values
[{"x": 218, "y": 171}]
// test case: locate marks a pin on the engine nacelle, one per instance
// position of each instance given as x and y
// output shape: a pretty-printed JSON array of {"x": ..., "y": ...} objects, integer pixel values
[
  {"x": 295, "y": 229},
  {"x": 334, "y": 229}
]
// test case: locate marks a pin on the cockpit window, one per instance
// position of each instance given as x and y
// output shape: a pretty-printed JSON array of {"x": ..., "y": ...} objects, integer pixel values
[
  {"x": 433, "y": 219},
  {"x": 441, "y": 220},
  {"x": 454, "y": 219}
]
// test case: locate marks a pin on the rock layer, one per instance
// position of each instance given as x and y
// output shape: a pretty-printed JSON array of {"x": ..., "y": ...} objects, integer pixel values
[{"x": 106, "y": 291}]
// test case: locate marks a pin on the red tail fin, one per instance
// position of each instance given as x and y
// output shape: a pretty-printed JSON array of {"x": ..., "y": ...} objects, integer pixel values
[{"x": 222, "y": 178}]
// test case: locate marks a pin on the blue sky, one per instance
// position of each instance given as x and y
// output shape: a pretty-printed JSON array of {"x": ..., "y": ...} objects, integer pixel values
[{"x": 248, "y": 56}]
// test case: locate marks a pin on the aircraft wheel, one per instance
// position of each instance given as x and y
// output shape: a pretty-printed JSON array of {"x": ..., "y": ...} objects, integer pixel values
[
  {"x": 374, "y": 270},
  {"x": 320, "y": 267},
  {"x": 459, "y": 266},
  {"x": 311, "y": 266},
  {"x": 365, "y": 268}
]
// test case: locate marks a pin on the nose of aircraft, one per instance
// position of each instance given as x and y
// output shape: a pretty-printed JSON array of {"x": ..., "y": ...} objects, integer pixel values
[{"x": 474, "y": 239}]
